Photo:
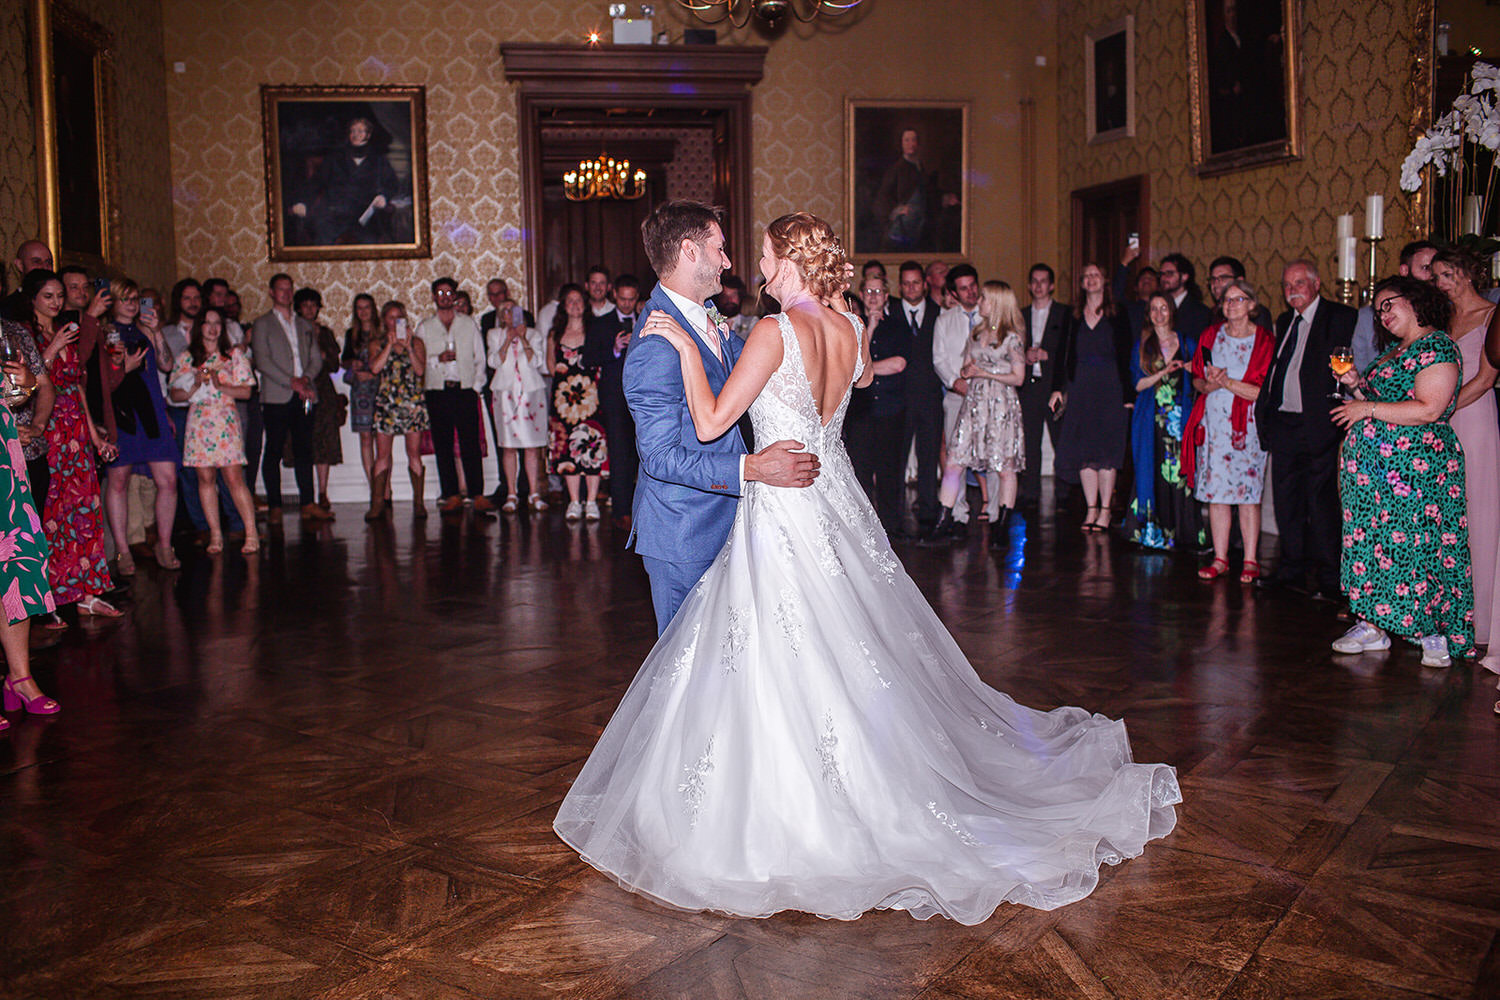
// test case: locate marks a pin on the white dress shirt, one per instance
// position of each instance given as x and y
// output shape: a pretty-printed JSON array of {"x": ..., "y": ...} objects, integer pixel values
[
  {"x": 697, "y": 317},
  {"x": 949, "y": 337},
  {"x": 289, "y": 327},
  {"x": 914, "y": 314},
  {"x": 467, "y": 368}
]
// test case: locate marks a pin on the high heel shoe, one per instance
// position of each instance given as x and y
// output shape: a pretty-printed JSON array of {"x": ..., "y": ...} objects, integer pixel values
[
  {"x": 166, "y": 558},
  {"x": 1088, "y": 522},
  {"x": 40, "y": 705}
]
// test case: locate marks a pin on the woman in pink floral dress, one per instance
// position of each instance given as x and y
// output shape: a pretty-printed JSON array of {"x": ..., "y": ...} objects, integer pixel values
[
  {"x": 73, "y": 513},
  {"x": 578, "y": 445},
  {"x": 209, "y": 376}
]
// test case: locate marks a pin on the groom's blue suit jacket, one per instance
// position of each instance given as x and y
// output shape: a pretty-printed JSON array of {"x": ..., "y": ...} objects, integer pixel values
[{"x": 688, "y": 489}]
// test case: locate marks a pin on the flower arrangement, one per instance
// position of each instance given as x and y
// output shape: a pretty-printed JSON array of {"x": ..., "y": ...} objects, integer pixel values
[{"x": 1462, "y": 142}]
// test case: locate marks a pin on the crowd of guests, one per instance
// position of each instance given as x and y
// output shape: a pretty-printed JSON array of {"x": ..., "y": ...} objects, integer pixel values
[
  {"x": 1167, "y": 408},
  {"x": 1177, "y": 409}
]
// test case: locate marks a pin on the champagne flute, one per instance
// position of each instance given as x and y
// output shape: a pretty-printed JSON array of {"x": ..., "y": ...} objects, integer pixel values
[{"x": 1340, "y": 361}]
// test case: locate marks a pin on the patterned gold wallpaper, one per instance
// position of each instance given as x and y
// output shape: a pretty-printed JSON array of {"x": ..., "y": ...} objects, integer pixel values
[
  {"x": 140, "y": 108},
  {"x": 1356, "y": 61},
  {"x": 894, "y": 49}
]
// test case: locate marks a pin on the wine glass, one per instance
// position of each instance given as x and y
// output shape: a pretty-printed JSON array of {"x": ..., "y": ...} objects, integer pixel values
[{"x": 1340, "y": 361}]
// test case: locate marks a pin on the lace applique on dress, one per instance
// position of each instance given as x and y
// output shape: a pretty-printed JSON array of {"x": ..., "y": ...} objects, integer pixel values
[
  {"x": 736, "y": 634},
  {"x": 695, "y": 782},
  {"x": 828, "y": 557},
  {"x": 861, "y": 651},
  {"x": 948, "y": 821},
  {"x": 684, "y": 660},
  {"x": 827, "y": 753},
  {"x": 789, "y": 617}
]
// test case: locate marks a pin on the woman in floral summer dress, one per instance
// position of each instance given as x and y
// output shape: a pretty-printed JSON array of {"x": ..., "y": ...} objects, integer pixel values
[
  {"x": 210, "y": 376},
  {"x": 1163, "y": 512},
  {"x": 578, "y": 445},
  {"x": 73, "y": 514},
  {"x": 1223, "y": 457},
  {"x": 23, "y": 561},
  {"x": 399, "y": 359},
  {"x": 1406, "y": 565}
]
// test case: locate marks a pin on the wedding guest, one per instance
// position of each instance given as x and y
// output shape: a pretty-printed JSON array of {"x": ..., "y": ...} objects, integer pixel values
[
  {"x": 518, "y": 356},
  {"x": 210, "y": 376},
  {"x": 502, "y": 314},
  {"x": 732, "y": 305},
  {"x": 606, "y": 338},
  {"x": 218, "y": 293},
  {"x": 579, "y": 453},
  {"x": 287, "y": 357},
  {"x": 1092, "y": 387},
  {"x": 1292, "y": 416},
  {"x": 23, "y": 571},
  {"x": 950, "y": 339},
  {"x": 31, "y": 415},
  {"x": 1164, "y": 514},
  {"x": 1458, "y": 274},
  {"x": 1225, "y": 459},
  {"x": 399, "y": 360},
  {"x": 454, "y": 372},
  {"x": 922, "y": 431},
  {"x": 31, "y": 255},
  {"x": 363, "y": 328},
  {"x": 1223, "y": 273},
  {"x": 1406, "y": 562},
  {"x": 462, "y": 303},
  {"x": 597, "y": 286},
  {"x": 186, "y": 302},
  {"x": 876, "y": 417},
  {"x": 72, "y": 517},
  {"x": 1177, "y": 281},
  {"x": 938, "y": 287},
  {"x": 331, "y": 409},
  {"x": 1046, "y": 324},
  {"x": 987, "y": 436},
  {"x": 144, "y": 429},
  {"x": 1415, "y": 260}
]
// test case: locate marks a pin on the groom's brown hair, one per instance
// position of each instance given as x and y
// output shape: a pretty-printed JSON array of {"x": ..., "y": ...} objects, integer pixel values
[{"x": 669, "y": 224}]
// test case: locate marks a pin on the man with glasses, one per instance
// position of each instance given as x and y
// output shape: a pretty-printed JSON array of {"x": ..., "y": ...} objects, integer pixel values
[
  {"x": 1176, "y": 280},
  {"x": 1223, "y": 272},
  {"x": 1292, "y": 416},
  {"x": 455, "y": 372},
  {"x": 877, "y": 413}
]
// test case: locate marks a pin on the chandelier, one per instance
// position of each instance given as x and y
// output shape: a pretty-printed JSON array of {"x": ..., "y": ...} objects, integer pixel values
[
  {"x": 739, "y": 12},
  {"x": 604, "y": 177}
]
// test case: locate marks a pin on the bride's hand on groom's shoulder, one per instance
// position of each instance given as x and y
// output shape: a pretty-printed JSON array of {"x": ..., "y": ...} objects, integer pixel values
[{"x": 659, "y": 324}]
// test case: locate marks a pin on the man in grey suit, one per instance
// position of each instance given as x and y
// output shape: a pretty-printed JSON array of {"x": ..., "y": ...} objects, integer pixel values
[{"x": 284, "y": 347}]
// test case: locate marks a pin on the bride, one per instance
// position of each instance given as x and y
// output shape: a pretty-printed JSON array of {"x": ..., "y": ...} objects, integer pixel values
[{"x": 806, "y": 735}]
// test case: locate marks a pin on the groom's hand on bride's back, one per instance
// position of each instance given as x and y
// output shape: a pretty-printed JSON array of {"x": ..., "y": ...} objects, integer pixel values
[{"x": 782, "y": 464}]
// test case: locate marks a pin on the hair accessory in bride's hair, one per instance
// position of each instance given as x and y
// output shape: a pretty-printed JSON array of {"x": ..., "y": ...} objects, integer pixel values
[{"x": 809, "y": 243}]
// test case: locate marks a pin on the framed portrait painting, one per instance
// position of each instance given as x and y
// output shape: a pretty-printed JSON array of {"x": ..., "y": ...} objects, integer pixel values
[
  {"x": 1109, "y": 80},
  {"x": 1244, "y": 83},
  {"x": 346, "y": 172},
  {"x": 72, "y": 91},
  {"x": 908, "y": 170}
]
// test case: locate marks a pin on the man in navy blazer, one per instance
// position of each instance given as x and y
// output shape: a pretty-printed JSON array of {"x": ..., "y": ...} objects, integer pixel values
[{"x": 688, "y": 490}]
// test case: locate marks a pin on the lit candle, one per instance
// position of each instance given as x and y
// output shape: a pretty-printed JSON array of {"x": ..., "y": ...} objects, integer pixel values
[
  {"x": 1375, "y": 217},
  {"x": 1348, "y": 250},
  {"x": 1471, "y": 214},
  {"x": 1345, "y": 229}
]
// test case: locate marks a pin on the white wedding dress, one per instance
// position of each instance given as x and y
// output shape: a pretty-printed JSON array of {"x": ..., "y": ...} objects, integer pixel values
[{"x": 806, "y": 735}]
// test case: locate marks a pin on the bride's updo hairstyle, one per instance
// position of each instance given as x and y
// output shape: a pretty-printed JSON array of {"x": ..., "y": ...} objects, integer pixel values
[{"x": 808, "y": 242}]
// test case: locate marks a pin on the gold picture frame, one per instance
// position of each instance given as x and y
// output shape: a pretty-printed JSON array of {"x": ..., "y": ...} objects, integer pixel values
[
  {"x": 936, "y": 227},
  {"x": 72, "y": 99},
  {"x": 1243, "y": 116},
  {"x": 333, "y": 193},
  {"x": 1109, "y": 80}
]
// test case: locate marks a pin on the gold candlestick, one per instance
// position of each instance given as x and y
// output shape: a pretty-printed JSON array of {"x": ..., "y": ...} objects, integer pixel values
[
  {"x": 1349, "y": 291},
  {"x": 1369, "y": 289}
]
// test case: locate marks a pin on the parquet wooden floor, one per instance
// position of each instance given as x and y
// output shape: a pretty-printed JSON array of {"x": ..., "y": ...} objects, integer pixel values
[{"x": 332, "y": 775}]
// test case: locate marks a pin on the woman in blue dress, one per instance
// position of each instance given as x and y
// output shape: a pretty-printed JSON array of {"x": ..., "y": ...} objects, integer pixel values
[{"x": 133, "y": 341}]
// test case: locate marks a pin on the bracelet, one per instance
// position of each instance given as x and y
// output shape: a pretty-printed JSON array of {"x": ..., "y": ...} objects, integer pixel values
[{"x": 1372, "y": 411}]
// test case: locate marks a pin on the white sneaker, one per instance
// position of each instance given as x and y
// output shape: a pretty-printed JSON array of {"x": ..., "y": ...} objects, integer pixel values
[
  {"x": 1361, "y": 638},
  {"x": 1435, "y": 651},
  {"x": 574, "y": 511},
  {"x": 591, "y": 511}
]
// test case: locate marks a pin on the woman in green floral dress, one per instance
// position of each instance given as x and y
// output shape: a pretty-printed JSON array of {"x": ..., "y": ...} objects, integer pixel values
[
  {"x": 1401, "y": 478},
  {"x": 23, "y": 557},
  {"x": 1163, "y": 514}
]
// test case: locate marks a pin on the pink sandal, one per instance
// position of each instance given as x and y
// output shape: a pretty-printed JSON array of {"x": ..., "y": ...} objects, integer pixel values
[
  {"x": 40, "y": 705},
  {"x": 1249, "y": 571},
  {"x": 1214, "y": 570}
]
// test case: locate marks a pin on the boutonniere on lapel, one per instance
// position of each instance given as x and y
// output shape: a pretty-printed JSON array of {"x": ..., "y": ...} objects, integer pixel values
[{"x": 717, "y": 319}]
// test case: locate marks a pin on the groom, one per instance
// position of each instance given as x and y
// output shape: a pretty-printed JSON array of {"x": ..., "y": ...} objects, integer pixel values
[{"x": 688, "y": 490}]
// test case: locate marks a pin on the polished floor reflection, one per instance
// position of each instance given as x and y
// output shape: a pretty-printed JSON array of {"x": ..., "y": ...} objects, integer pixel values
[{"x": 332, "y": 774}]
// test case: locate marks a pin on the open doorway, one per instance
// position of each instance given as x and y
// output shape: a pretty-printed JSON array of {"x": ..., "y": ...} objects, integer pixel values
[{"x": 1104, "y": 217}]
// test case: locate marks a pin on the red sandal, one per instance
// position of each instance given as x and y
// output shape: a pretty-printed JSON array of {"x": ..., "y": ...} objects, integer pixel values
[
  {"x": 1214, "y": 570},
  {"x": 1249, "y": 571}
]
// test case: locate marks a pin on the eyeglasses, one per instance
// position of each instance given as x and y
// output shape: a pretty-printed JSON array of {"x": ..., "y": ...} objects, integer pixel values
[
  {"x": 874, "y": 291},
  {"x": 1230, "y": 300},
  {"x": 1385, "y": 307}
]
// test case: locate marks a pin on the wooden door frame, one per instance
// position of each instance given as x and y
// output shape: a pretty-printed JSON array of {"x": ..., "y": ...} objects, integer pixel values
[
  {"x": 695, "y": 77},
  {"x": 1143, "y": 214}
]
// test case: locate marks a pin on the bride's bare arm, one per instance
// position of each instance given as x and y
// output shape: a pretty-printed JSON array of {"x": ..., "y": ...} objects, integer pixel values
[
  {"x": 714, "y": 415},
  {"x": 868, "y": 374}
]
